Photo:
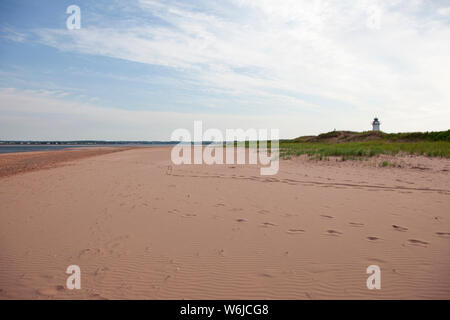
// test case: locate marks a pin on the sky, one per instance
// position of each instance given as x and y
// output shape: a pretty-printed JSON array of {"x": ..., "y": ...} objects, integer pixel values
[{"x": 139, "y": 69}]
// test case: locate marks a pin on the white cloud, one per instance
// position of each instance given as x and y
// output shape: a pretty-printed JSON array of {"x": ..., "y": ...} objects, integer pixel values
[
  {"x": 444, "y": 11},
  {"x": 34, "y": 115},
  {"x": 12, "y": 35},
  {"x": 279, "y": 54}
]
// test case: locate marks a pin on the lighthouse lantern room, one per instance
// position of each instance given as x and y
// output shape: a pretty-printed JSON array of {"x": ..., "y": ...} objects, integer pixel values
[{"x": 376, "y": 125}]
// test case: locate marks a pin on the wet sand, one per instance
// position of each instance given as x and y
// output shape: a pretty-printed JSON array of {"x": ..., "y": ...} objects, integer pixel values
[
  {"x": 15, "y": 163},
  {"x": 141, "y": 228}
]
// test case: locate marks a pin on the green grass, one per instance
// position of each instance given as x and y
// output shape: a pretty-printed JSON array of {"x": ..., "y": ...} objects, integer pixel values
[
  {"x": 417, "y": 136},
  {"x": 362, "y": 145},
  {"x": 351, "y": 136},
  {"x": 355, "y": 150}
]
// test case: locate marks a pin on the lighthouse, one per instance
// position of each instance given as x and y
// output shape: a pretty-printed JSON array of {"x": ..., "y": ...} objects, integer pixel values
[{"x": 376, "y": 125}]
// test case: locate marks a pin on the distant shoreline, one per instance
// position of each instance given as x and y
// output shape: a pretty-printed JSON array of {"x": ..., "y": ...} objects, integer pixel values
[
  {"x": 20, "y": 148},
  {"x": 82, "y": 142}
]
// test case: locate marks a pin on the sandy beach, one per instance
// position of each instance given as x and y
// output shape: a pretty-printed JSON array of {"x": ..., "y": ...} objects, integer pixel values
[{"x": 142, "y": 228}]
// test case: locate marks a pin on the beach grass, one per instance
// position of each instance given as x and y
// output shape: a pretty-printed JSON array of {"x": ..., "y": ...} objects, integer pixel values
[
  {"x": 348, "y": 145},
  {"x": 355, "y": 150}
]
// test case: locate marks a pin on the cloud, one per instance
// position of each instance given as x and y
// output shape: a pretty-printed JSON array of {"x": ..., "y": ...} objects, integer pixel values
[
  {"x": 12, "y": 35},
  {"x": 342, "y": 60},
  {"x": 316, "y": 47},
  {"x": 445, "y": 11},
  {"x": 37, "y": 115}
]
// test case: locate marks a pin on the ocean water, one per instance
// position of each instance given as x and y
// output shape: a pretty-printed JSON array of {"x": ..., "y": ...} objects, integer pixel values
[
  {"x": 44, "y": 147},
  {"x": 28, "y": 148}
]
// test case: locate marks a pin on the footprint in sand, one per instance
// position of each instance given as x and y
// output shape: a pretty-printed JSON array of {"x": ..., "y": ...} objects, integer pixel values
[
  {"x": 289, "y": 215},
  {"x": 97, "y": 296},
  {"x": 117, "y": 242},
  {"x": 188, "y": 215},
  {"x": 265, "y": 275},
  {"x": 325, "y": 216},
  {"x": 334, "y": 232},
  {"x": 50, "y": 291},
  {"x": 101, "y": 271},
  {"x": 399, "y": 228},
  {"x": 443, "y": 234},
  {"x": 376, "y": 260},
  {"x": 267, "y": 224},
  {"x": 295, "y": 231},
  {"x": 241, "y": 220},
  {"x": 418, "y": 242},
  {"x": 86, "y": 253},
  {"x": 356, "y": 224},
  {"x": 373, "y": 238}
]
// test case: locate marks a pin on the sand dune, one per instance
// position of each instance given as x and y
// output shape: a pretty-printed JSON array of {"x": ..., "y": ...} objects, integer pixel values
[{"x": 141, "y": 228}]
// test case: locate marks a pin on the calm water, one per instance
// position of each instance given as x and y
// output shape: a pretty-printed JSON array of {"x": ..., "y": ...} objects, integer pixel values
[{"x": 27, "y": 148}]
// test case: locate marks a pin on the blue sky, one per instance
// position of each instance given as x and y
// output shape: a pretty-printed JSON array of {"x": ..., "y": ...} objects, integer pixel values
[{"x": 140, "y": 69}]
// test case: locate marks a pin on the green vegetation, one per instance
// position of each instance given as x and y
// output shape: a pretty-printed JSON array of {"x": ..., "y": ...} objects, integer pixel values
[
  {"x": 348, "y": 145},
  {"x": 359, "y": 145},
  {"x": 354, "y": 150},
  {"x": 350, "y": 136},
  {"x": 417, "y": 136}
]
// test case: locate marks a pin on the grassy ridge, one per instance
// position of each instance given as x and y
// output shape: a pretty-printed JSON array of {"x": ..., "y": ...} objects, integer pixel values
[
  {"x": 353, "y": 145},
  {"x": 357, "y": 145},
  {"x": 417, "y": 136},
  {"x": 351, "y": 136}
]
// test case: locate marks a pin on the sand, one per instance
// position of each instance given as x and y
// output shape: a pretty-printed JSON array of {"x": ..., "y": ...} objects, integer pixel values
[
  {"x": 141, "y": 228},
  {"x": 14, "y": 163}
]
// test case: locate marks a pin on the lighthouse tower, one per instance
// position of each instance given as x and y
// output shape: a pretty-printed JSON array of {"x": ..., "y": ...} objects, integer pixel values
[{"x": 376, "y": 125}]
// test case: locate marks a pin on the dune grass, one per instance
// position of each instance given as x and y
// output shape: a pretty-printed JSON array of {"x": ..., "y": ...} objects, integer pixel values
[
  {"x": 359, "y": 145},
  {"x": 355, "y": 150}
]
